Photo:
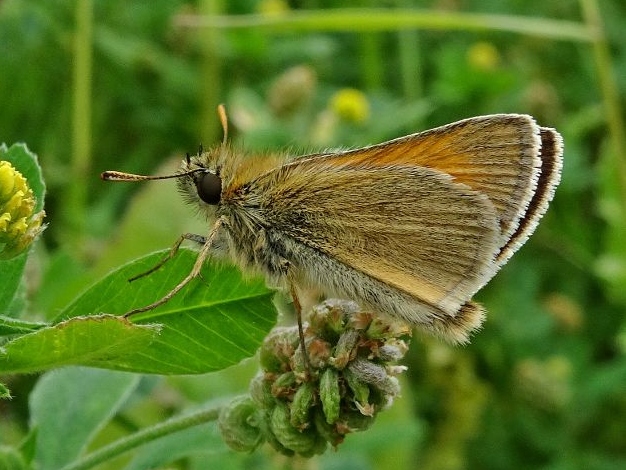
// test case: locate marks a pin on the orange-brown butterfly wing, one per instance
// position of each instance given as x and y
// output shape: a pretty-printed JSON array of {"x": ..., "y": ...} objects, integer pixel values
[{"x": 498, "y": 155}]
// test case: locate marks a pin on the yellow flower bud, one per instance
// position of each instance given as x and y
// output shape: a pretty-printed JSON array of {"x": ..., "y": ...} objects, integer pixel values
[
  {"x": 18, "y": 224},
  {"x": 7, "y": 180}
]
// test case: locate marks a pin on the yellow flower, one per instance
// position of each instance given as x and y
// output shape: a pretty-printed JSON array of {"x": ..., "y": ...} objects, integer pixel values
[
  {"x": 351, "y": 105},
  {"x": 18, "y": 224},
  {"x": 483, "y": 55}
]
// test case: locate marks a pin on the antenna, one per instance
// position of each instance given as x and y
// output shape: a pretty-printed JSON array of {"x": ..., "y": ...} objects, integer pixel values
[
  {"x": 221, "y": 112},
  {"x": 112, "y": 175}
]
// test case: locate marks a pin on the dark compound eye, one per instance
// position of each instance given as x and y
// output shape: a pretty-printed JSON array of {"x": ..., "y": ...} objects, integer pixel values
[{"x": 209, "y": 188}]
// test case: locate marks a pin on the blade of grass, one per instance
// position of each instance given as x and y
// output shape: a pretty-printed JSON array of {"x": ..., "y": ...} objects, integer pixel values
[
  {"x": 81, "y": 122},
  {"x": 211, "y": 74},
  {"x": 410, "y": 61},
  {"x": 610, "y": 91},
  {"x": 373, "y": 20}
]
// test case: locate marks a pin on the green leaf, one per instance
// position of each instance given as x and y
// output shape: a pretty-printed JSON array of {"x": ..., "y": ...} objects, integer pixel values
[
  {"x": 100, "y": 341},
  {"x": 5, "y": 393},
  {"x": 11, "y": 326},
  {"x": 216, "y": 321},
  {"x": 11, "y": 274},
  {"x": 69, "y": 406}
]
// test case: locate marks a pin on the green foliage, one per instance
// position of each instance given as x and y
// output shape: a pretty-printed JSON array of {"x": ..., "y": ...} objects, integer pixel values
[
  {"x": 542, "y": 386},
  {"x": 67, "y": 417},
  {"x": 215, "y": 322},
  {"x": 101, "y": 341},
  {"x": 11, "y": 272}
]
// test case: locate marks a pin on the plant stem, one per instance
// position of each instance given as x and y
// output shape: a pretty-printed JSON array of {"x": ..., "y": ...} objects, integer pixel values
[
  {"x": 410, "y": 61},
  {"x": 370, "y": 57},
  {"x": 75, "y": 209},
  {"x": 210, "y": 74},
  {"x": 144, "y": 436},
  {"x": 373, "y": 19},
  {"x": 610, "y": 92}
]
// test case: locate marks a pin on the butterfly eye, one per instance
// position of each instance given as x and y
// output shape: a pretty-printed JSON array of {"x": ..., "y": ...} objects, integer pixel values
[{"x": 209, "y": 187}]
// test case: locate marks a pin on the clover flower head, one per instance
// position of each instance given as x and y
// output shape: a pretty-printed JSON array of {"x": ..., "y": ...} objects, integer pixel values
[
  {"x": 350, "y": 378},
  {"x": 19, "y": 225}
]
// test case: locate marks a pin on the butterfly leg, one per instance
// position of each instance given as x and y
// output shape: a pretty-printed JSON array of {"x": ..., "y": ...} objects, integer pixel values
[
  {"x": 185, "y": 236},
  {"x": 195, "y": 271},
  {"x": 298, "y": 308}
]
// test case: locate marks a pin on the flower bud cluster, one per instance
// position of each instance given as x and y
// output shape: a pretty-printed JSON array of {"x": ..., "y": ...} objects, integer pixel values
[
  {"x": 301, "y": 404},
  {"x": 18, "y": 224}
]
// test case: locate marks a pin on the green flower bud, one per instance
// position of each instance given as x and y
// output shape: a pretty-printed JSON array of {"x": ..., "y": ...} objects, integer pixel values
[
  {"x": 261, "y": 391},
  {"x": 319, "y": 352},
  {"x": 287, "y": 435},
  {"x": 392, "y": 351},
  {"x": 19, "y": 225},
  {"x": 368, "y": 372},
  {"x": 318, "y": 448},
  {"x": 284, "y": 385},
  {"x": 278, "y": 348},
  {"x": 330, "y": 395},
  {"x": 238, "y": 424},
  {"x": 271, "y": 438},
  {"x": 328, "y": 319},
  {"x": 361, "y": 392},
  {"x": 328, "y": 431},
  {"x": 354, "y": 421},
  {"x": 345, "y": 349},
  {"x": 301, "y": 405},
  {"x": 375, "y": 375}
]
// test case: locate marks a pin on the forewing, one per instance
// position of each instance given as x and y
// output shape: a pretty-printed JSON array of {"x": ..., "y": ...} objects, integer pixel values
[
  {"x": 497, "y": 155},
  {"x": 412, "y": 228}
]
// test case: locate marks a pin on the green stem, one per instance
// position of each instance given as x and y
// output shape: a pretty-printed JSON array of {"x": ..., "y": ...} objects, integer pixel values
[
  {"x": 117, "y": 448},
  {"x": 81, "y": 121},
  {"x": 610, "y": 92},
  {"x": 210, "y": 74},
  {"x": 373, "y": 20},
  {"x": 410, "y": 61},
  {"x": 370, "y": 50},
  {"x": 371, "y": 68}
]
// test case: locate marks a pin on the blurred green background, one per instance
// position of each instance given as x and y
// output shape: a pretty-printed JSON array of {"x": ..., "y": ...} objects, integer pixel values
[{"x": 129, "y": 85}]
